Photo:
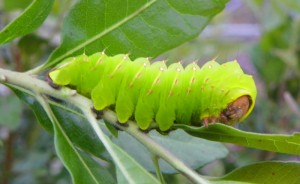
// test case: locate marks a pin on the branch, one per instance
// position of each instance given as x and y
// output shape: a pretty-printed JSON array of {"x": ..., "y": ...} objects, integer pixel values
[{"x": 41, "y": 87}]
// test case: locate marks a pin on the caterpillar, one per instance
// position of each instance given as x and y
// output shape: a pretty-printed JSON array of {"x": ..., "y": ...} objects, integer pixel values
[{"x": 150, "y": 93}]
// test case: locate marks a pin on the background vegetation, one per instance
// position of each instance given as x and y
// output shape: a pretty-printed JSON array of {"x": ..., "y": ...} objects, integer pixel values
[{"x": 262, "y": 35}]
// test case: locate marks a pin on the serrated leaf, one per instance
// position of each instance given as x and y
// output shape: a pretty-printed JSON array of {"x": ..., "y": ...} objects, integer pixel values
[
  {"x": 141, "y": 28},
  {"x": 32, "y": 17},
  {"x": 280, "y": 143}
]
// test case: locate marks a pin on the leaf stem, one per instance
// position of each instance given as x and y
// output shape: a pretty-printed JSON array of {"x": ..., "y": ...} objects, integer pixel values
[{"x": 155, "y": 160}]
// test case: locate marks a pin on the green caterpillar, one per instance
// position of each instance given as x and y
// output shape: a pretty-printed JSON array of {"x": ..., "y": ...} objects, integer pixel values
[{"x": 154, "y": 92}]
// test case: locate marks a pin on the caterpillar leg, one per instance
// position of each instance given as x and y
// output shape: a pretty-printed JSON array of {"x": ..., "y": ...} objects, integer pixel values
[
  {"x": 51, "y": 83},
  {"x": 98, "y": 113},
  {"x": 115, "y": 126},
  {"x": 209, "y": 120},
  {"x": 119, "y": 124},
  {"x": 54, "y": 86},
  {"x": 146, "y": 131}
]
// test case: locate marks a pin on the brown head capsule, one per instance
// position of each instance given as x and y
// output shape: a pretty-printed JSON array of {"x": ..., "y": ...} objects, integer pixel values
[{"x": 236, "y": 110}]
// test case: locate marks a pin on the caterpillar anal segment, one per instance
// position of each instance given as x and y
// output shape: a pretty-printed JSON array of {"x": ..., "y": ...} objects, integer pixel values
[{"x": 154, "y": 92}]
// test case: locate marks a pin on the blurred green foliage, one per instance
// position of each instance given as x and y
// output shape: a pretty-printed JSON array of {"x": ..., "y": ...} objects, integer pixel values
[{"x": 270, "y": 52}]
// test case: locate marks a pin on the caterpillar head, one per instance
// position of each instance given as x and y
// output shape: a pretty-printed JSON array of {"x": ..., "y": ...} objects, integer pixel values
[
  {"x": 230, "y": 91},
  {"x": 236, "y": 111}
]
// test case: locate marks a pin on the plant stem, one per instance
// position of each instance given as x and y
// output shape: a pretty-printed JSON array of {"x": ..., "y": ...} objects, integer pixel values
[
  {"x": 155, "y": 160},
  {"x": 41, "y": 87},
  {"x": 29, "y": 82}
]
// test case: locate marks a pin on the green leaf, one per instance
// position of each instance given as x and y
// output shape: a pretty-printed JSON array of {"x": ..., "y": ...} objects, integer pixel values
[
  {"x": 209, "y": 150},
  {"x": 141, "y": 28},
  {"x": 112, "y": 130},
  {"x": 9, "y": 5},
  {"x": 264, "y": 172},
  {"x": 133, "y": 172},
  {"x": 67, "y": 136},
  {"x": 39, "y": 112},
  {"x": 76, "y": 126},
  {"x": 78, "y": 129},
  {"x": 120, "y": 177},
  {"x": 280, "y": 143},
  {"x": 82, "y": 167},
  {"x": 73, "y": 131},
  {"x": 127, "y": 168},
  {"x": 33, "y": 16}
]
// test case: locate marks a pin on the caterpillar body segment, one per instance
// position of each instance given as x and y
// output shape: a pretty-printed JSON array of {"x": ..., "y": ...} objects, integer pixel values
[
  {"x": 186, "y": 110},
  {"x": 156, "y": 93},
  {"x": 130, "y": 89}
]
